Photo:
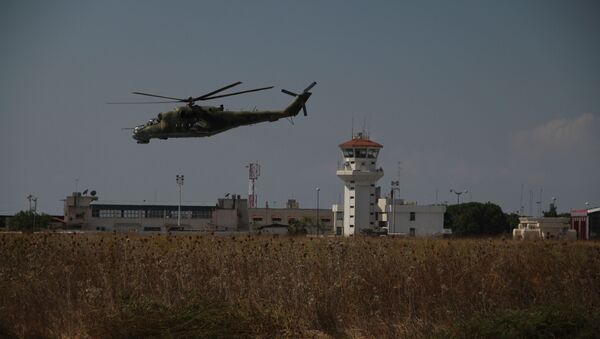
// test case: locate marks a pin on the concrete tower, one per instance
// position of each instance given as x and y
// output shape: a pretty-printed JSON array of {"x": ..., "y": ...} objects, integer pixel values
[{"x": 359, "y": 173}]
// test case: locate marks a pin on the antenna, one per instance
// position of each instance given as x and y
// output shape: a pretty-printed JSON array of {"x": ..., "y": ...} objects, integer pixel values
[
  {"x": 399, "y": 168},
  {"x": 253, "y": 174},
  {"x": 531, "y": 203},
  {"x": 521, "y": 207},
  {"x": 364, "y": 130},
  {"x": 352, "y": 136}
]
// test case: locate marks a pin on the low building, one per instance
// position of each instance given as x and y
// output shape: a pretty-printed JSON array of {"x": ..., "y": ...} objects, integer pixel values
[
  {"x": 586, "y": 223},
  {"x": 259, "y": 218},
  {"x": 543, "y": 228},
  {"x": 90, "y": 214},
  {"x": 408, "y": 218}
]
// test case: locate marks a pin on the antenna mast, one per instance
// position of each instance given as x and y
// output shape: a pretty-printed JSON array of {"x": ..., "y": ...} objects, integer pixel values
[{"x": 253, "y": 174}]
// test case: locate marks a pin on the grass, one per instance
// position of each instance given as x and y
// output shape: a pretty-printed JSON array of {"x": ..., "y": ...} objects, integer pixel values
[{"x": 105, "y": 285}]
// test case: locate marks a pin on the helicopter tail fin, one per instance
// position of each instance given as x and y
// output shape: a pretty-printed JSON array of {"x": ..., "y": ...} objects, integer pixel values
[{"x": 300, "y": 103}]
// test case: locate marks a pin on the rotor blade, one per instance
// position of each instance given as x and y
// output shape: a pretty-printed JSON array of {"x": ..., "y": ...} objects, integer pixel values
[
  {"x": 310, "y": 86},
  {"x": 304, "y": 109},
  {"x": 290, "y": 93},
  {"x": 216, "y": 91},
  {"x": 236, "y": 93},
  {"x": 159, "y": 96},
  {"x": 141, "y": 102}
]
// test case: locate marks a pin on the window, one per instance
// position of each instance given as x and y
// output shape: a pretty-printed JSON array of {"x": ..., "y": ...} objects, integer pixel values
[
  {"x": 325, "y": 220},
  {"x": 109, "y": 214},
  {"x": 257, "y": 219},
  {"x": 412, "y": 216},
  {"x": 348, "y": 153},
  {"x": 276, "y": 219},
  {"x": 339, "y": 216},
  {"x": 202, "y": 214},
  {"x": 351, "y": 197},
  {"x": 184, "y": 214},
  {"x": 361, "y": 153},
  {"x": 132, "y": 214},
  {"x": 372, "y": 153},
  {"x": 352, "y": 188},
  {"x": 154, "y": 214}
]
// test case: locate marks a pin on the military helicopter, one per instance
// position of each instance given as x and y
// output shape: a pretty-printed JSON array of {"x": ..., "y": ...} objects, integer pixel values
[{"x": 193, "y": 121}]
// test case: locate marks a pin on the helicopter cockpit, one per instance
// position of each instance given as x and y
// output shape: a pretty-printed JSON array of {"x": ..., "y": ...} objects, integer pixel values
[{"x": 153, "y": 121}]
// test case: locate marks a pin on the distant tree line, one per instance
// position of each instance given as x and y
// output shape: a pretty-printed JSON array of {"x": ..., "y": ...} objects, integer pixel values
[
  {"x": 28, "y": 221},
  {"x": 479, "y": 219}
]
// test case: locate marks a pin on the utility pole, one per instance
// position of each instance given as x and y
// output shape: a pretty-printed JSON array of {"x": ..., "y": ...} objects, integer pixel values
[
  {"x": 318, "y": 227},
  {"x": 34, "y": 208},
  {"x": 179, "y": 180},
  {"x": 395, "y": 187}
]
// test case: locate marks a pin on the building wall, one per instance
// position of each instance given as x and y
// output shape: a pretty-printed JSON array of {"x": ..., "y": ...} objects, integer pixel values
[
  {"x": 428, "y": 220},
  {"x": 259, "y": 217}
]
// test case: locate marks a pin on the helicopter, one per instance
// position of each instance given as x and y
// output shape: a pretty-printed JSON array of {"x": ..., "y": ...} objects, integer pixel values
[{"x": 191, "y": 120}]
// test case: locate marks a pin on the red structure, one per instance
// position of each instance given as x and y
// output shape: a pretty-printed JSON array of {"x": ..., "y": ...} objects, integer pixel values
[{"x": 579, "y": 223}]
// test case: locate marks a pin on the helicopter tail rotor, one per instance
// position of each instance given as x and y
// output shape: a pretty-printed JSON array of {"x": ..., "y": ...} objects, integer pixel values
[{"x": 304, "y": 95}]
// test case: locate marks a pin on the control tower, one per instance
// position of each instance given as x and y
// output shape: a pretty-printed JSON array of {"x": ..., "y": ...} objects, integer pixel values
[{"x": 359, "y": 173}]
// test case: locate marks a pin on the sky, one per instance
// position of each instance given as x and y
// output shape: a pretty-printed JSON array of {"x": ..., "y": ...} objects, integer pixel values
[{"x": 489, "y": 96}]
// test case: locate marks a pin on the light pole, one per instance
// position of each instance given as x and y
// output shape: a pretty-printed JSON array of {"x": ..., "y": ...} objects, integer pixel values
[
  {"x": 179, "y": 179},
  {"x": 458, "y": 193},
  {"x": 318, "y": 190},
  {"x": 34, "y": 209},
  {"x": 395, "y": 187}
]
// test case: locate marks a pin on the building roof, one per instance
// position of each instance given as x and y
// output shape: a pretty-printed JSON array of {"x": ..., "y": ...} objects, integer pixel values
[{"x": 360, "y": 141}]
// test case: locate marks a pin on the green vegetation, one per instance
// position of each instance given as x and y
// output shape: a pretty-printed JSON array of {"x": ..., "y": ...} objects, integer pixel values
[
  {"x": 110, "y": 285},
  {"x": 475, "y": 218},
  {"x": 25, "y": 221},
  {"x": 549, "y": 321}
]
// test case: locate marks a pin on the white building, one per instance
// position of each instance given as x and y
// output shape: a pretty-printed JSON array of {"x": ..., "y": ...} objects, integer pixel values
[
  {"x": 364, "y": 209},
  {"x": 408, "y": 218},
  {"x": 359, "y": 173}
]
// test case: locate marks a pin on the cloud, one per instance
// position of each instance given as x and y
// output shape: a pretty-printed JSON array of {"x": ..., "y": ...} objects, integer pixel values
[{"x": 560, "y": 135}]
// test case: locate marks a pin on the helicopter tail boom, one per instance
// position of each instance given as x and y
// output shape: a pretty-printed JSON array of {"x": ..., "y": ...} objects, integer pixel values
[{"x": 300, "y": 102}]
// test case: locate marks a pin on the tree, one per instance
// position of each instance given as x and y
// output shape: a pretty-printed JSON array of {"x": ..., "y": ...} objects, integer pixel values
[
  {"x": 551, "y": 213},
  {"x": 300, "y": 227},
  {"x": 24, "y": 221},
  {"x": 476, "y": 218}
]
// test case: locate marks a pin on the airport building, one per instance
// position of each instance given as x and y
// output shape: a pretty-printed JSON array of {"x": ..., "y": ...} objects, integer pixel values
[
  {"x": 88, "y": 213},
  {"x": 586, "y": 223}
]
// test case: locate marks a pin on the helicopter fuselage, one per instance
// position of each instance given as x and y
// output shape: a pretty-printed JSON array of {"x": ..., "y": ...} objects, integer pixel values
[{"x": 202, "y": 121}]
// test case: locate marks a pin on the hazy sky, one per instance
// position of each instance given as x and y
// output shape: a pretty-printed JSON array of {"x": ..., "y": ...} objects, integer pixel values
[{"x": 478, "y": 95}]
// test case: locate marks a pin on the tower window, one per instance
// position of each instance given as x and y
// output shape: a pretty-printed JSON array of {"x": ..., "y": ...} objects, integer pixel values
[
  {"x": 412, "y": 216},
  {"x": 348, "y": 152}
]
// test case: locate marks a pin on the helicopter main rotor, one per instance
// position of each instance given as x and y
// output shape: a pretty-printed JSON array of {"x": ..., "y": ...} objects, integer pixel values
[{"x": 191, "y": 100}]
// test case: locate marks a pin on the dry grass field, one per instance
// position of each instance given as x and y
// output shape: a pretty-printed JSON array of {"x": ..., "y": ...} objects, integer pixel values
[{"x": 105, "y": 285}]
